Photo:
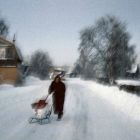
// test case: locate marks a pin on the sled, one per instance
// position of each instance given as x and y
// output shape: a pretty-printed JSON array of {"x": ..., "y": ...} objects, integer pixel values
[{"x": 42, "y": 112}]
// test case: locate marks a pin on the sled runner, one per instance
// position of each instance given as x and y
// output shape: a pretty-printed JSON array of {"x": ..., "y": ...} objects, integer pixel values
[{"x": 42, "y": 111}]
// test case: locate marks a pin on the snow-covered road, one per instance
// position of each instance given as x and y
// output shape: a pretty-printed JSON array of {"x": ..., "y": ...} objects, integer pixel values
[{"x": 88, "y": 115}]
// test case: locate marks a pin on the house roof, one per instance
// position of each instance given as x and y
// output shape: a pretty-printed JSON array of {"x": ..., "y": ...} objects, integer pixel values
[{"x": 6, "y": 43}]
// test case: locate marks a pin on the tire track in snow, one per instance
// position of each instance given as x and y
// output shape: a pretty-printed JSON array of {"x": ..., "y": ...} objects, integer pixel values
[{"x": 77, "y": 111}]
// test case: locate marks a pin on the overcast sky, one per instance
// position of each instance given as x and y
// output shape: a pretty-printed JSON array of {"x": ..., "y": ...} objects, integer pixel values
[{"x": 54, "y": 25}]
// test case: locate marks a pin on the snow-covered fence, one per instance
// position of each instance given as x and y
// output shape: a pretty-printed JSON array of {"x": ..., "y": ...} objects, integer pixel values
[{"x": 129, "y": 85}]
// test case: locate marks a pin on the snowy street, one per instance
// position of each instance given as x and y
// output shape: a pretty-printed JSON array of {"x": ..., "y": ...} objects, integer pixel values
[{"x": 92, "y": 112}]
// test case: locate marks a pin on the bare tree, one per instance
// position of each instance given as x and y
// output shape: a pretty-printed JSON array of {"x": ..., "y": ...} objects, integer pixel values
[
  {"x": 4, "y": 29},
  {"x": 105, "y": 50},
  {"x": 40, "y": 64}
]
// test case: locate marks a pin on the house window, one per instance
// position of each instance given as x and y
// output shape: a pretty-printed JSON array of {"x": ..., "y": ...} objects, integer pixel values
[
  {"x": 6, "y": 53},
  {"x": 9, "y": 53},
  {"x": 2, "y": 53}
]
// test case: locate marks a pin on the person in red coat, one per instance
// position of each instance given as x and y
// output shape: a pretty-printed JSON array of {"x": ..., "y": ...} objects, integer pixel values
[{"x": 58, "y": 89}]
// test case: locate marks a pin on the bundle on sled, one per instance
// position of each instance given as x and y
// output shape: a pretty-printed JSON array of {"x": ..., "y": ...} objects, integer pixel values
[{"x": 42, "y": 111}]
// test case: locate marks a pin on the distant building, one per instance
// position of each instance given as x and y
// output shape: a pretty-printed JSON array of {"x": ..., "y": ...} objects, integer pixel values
[
  {"x": 10, "y": 61},
  {"x": 71, "y": 73},
  {"x": 134, "y": 72},
  {"x": 57, "y": 71}
]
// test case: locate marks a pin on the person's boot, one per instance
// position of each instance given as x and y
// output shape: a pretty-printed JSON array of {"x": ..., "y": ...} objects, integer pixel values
[{"x": 60, "y": 116}]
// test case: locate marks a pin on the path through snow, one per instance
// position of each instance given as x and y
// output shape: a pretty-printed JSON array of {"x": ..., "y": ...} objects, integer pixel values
[{"x": 86, "y": 116}]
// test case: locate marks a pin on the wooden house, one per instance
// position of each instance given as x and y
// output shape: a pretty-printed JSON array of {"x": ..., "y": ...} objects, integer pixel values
[{"x": 10, "y": 61}]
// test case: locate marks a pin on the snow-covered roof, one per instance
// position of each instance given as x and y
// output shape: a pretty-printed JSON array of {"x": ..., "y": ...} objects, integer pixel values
[
  {"x": 6, "y": 43},
  {"x": 133, "y": 69}
]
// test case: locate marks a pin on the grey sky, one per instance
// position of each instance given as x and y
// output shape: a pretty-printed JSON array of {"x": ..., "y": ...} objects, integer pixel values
[{"x": 54, "y": 25}]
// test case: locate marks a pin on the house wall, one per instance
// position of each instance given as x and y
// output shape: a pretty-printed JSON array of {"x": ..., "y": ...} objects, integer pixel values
[
  {"x": 9, "y": 63},
  {"x": 8, "y": 75}
]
